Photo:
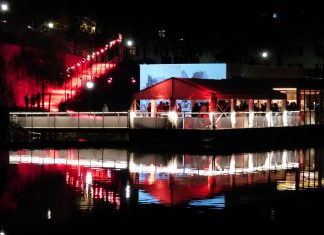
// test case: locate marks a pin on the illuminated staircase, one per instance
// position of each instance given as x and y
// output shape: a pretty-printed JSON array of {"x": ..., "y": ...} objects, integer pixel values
[{"x": 87, "y": 69}]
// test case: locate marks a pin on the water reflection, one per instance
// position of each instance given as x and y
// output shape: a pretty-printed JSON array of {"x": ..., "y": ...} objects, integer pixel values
[
  {"x": 116, "y": 176},
  {"x": 45, "y": 186}
]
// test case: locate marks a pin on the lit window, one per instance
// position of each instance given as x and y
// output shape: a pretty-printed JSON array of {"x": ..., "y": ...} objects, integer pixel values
[{"x": 132, "y": 51}]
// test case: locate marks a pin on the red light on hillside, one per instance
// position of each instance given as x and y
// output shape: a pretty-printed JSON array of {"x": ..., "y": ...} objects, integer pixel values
[
  {"x": 109, "y": 80},
  {"x": 133, "y": 80}
]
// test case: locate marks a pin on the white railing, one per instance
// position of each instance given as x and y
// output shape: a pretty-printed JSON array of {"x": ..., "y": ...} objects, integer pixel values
[
  {"x": 220, "y": 120},
  {"x": 162, "y": 120},
  {"x": 71, "y": 120}
]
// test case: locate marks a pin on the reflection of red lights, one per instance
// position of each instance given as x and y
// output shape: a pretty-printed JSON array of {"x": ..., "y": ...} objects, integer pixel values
[{"x": 151, "y": 178}]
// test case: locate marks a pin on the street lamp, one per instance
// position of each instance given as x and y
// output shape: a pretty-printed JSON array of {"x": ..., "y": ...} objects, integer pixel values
[
  {"x": 4, "y": 7},
  {"x": 133, "y": 80},
  {"x": 264, "y": 54},
  {"x": 89, "y": 86},
  {"x": 130, "y": 43},
  {"x": 50, "y": 25},
  {"x": 109, "y": 81}
]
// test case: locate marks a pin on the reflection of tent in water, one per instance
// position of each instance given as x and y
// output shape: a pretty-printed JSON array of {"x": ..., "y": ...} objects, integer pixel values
[
  {"x": 181, "y": 190},
  {"x": 176, "y": 192}
]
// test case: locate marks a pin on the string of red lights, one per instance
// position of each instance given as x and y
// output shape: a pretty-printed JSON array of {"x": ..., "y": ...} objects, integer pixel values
[{"x": 87, "y": 69}]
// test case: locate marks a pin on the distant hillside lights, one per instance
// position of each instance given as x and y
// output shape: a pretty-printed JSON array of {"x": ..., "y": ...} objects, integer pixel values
[
  {"x": 265, "y": 54},
  {"x": 50, "y": 25}
]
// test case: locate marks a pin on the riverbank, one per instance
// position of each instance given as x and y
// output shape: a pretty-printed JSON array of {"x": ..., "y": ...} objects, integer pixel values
[{"x": 234, "y": 140}]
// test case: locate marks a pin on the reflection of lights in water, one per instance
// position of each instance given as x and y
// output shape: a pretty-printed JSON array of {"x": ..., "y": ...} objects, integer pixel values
[
  {"x": 100, "y": 195},
  {"x": 269, "y": 162},
  {"x": 146, "y": 198},
  {"x": 172, "y": 167},
  {"x": 151, "y": 178},
  {"x": 253, "y": 165},
  {"x": 89, "y": 178},
  {"x": 72, "y": 162},
  {"x": 217, "y": 202},
  {"x": 110, "y": 197},
  {"x": 127, "y": 191},
  {"x": 232, "y": 165},
  {"x": 273, "y": 213},
  {"x": 49, "y": 214},
  {"x": 67, "y": 177},
  {"x": 117, "y": 202}
]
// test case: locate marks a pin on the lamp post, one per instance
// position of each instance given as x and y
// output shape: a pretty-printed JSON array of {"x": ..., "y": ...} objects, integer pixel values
[
  {"x": 129, "y": 43},
  {"x": 50, "y": 25},
  {"x": 109, "y": 81},
  {"x": 4, "y": 7},
  {"x": 133, "y": 84},
  {"x": 133, "y": 80},
  {"x": 89, "y": 85},
  {"x": 264, "y": 54}
]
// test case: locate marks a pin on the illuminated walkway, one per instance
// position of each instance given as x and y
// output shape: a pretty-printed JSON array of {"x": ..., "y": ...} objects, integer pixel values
[{"x": 87, "y": 69}]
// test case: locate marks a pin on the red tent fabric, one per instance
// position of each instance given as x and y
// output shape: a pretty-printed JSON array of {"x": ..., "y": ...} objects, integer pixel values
[
  {"x": 204, "y": 89},
  {"x": 174, "y": 88}
]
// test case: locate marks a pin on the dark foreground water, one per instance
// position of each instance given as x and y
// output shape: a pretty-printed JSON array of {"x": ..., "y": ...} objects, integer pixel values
[{"x": 105, "y": 191}]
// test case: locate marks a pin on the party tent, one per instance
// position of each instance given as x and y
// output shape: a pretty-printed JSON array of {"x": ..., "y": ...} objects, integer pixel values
[{"x": 205, "y": 89}]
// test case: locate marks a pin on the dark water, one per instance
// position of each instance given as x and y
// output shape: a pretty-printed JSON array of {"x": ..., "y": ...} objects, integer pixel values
[{"x": 90, "y": 191}]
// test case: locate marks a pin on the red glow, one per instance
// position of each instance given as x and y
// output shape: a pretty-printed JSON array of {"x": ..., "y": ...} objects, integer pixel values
[
  {"x": 76, "y": 67},
  {"x": 70, "y": 111}
]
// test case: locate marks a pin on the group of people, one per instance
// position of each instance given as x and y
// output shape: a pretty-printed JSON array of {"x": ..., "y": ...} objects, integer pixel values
[
  {"x": 163, "y": 107},
  {"x": 30, "y": 102}
]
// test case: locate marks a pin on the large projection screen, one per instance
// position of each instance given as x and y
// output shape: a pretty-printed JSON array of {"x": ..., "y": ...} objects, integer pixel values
[{"x": 151, "y": 74}]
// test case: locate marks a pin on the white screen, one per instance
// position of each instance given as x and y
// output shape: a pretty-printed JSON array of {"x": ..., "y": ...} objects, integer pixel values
[{"x": 154, "y": 73}]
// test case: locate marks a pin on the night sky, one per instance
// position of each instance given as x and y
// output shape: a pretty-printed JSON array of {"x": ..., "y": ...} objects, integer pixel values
[
  {"x": 171, "y": 12},
  {"x": 196, "y": 20}
]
